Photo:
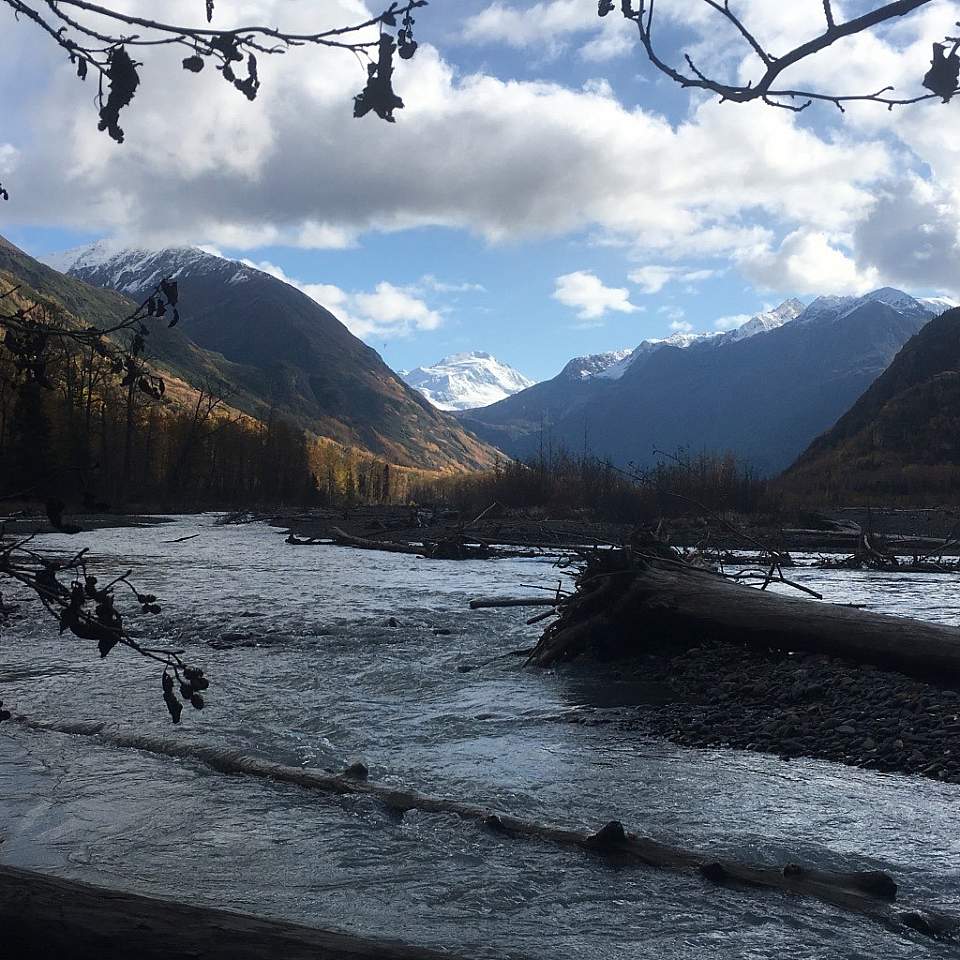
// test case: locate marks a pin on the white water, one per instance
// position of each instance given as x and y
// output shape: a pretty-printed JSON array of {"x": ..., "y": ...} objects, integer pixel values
[{"x": 332, "y": 681}]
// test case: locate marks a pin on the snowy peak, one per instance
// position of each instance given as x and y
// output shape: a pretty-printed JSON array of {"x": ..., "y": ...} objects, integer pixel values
[
  {"x": 612, "y": 366},
  {"x": 597, "y": 365},
  {"x": 766, "y": 321},
  {"x": 465, "y": 381},
  {"x": 135, "y": 271},
  {"x": 938, "y": 305},
  {"x": 831, "y": 309}
]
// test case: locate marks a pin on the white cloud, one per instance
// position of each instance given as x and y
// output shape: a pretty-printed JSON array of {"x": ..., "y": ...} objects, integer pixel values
[
  {"x": 385, "y": 312},
  {"x": 586, "y": 293},
  {"x": 8, "y": 157},
  {"x": 504, "y": 159},
  {"x": 808, "y": 262},
  {"x": 731, "y": 321},
  {"x": 681, "y": 326},
  {"x": 430, "y": 282},
  {"x": 672, "y": 312},
  {"x": 798, "y": 205},
  {"x": 654, "y": 277}
]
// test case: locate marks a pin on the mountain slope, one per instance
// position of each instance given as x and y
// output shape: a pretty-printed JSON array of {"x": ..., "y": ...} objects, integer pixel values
[
  {"x": 280, "y": 350},
  {"x": 902, "y": 436},
  {"x": 466, "y": 380},
  {"x": 763, "y": 396}
]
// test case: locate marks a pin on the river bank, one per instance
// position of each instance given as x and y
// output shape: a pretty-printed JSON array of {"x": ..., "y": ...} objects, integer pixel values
[{"x": 46, "y": 916}]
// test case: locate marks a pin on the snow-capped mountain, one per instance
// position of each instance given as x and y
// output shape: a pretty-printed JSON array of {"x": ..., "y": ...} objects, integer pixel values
[
  {"x": 464, "y": 381},
  {"x": 133, "y": 270},
  {"x": 765, "y": 322},
  {"x": 762, "y": 391},
  {"x": 612, "y": 366},
  {"x": 596, "y": 365}
]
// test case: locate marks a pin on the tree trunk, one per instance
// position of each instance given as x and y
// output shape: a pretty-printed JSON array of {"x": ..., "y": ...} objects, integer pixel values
[{"x": 663, "y": 599}]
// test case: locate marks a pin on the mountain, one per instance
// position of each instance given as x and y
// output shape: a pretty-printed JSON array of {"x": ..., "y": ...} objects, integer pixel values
[
  {"x": 276, "y": 347},
  {"x": 466, "y": 380},
  {"x": 902, "y": 436},
  {"x": 763, "y": 391}
]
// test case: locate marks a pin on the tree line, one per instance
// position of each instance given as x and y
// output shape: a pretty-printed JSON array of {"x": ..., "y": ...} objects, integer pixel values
[{"x": 563, "y": 483}]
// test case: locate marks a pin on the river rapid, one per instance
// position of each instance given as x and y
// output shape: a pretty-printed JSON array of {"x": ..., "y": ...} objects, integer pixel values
[{"x": 434, "y": 703}]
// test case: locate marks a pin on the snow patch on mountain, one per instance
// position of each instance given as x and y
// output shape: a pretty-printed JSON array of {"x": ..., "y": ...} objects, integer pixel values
[
  {"x": 465, "y": 381},
  {"x": 938, "y": 305},
  {"x": 766, "y": 321},
  {"x": 595, "y": 365},
  {"x": 612, "y": 366},
  {"x": 134, "y": 270}
]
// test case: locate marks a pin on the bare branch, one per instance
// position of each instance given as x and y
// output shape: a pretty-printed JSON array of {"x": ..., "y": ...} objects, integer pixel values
[{"x": 941, "y": 79}]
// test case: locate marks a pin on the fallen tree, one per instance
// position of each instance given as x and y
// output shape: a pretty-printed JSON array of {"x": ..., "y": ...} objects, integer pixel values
[{"x": 628, "y": 600}]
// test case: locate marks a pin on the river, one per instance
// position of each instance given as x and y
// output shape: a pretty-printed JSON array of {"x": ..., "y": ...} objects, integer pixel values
[{"x": 425, "y": 705}]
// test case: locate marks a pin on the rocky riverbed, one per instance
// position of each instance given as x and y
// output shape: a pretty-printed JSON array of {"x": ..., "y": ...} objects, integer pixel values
[{"x": 792, "y": 705}]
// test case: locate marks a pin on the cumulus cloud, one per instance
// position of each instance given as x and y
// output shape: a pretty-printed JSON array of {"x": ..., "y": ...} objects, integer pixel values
[
  {"x": 505, "y": 159},
  {"x": 798, "y": 205},
  {"x": 586, "y": 293},
  {"x": 808, "y": 261},
  {"x": 681, "y": 326},
  {"x": 385, "y": 312},
  {"x": 910, "y": 238}
]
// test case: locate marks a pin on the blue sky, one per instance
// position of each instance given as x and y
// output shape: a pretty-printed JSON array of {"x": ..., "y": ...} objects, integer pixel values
[{"x": 545, "y": 194}]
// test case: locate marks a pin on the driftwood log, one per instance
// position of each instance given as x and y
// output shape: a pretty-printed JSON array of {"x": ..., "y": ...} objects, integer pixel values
[
  {"x": 43, "y": 916},
  {"x": 484, "y": 603},
  {"x": 869, "y": 893},
  {"x": 625, "y": 600},
  {"x": 453, "y": 548}
]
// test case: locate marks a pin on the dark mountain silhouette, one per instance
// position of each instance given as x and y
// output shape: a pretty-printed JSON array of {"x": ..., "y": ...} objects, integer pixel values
[
  {"x": 902, "y": 437},
  {"x": 764, "y": 397},
  {"x": 275, "y": 347}
]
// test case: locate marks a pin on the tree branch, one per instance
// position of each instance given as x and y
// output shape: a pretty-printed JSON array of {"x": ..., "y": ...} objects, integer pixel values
[{"x": 764, "y": 88}]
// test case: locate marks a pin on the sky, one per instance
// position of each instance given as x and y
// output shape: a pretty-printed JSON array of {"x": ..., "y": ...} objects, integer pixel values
[{"x": 544, "y": 194}]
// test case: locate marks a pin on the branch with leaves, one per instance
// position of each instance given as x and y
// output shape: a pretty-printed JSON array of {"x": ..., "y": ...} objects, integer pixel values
[
  {"x": 74, "y": 597},
  {"x": 102, "y": 41},
  {"x": 941, "y": 79}
]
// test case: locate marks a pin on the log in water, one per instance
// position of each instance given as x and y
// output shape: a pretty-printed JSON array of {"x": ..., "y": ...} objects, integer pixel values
[{"x": 871, "y": 894}]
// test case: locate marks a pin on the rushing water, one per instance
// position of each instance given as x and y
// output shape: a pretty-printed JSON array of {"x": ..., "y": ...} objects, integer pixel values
[{"x": 432, "y": 703}]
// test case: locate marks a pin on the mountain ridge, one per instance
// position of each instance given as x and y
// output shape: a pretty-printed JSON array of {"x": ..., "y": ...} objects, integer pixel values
[
  {"x": 275, "y": 346},
  {"x": 763, "y": 397}
]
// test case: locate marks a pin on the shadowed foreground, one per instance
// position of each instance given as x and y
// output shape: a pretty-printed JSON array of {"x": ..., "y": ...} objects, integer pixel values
[{"x": 43, "y": 916}]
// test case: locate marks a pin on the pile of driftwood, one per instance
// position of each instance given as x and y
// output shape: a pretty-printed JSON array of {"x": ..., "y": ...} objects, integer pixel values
[
  {"x": 873, "y": 553},
  {"x": 646, "y": 598}
]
